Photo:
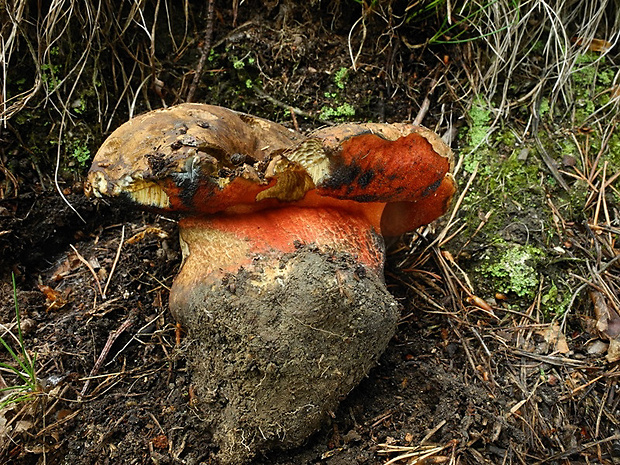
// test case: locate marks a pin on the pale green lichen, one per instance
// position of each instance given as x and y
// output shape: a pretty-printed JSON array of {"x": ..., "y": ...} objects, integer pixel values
[
  {"x": 480, "y": 116},
  {"x": 476, "y": 150},
  {"x": 514, "y": 270}
]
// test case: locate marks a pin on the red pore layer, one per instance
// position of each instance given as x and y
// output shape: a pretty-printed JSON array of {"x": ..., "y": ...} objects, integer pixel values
[
  {"x": 220, "y": 244},
  {"x": 238, "y": 240}
]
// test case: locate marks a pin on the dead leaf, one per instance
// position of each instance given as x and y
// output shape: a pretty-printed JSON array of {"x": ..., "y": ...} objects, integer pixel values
[
  {"x": 554, "y": 337},
  {"x": 608, "y": 320},
  {"x": 613, "y": 352},
  {"x": 607, "y": 323},
  {"x": 142, "y": 234},
  {"x": 22, "y": 426},
  {"x": 594, "y": 45},
  {"x": 65, "y": 268},
  {"x": 54, "y": 299}
]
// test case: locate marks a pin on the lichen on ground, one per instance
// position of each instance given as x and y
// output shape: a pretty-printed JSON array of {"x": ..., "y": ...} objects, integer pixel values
[
  {"x": 515, "y": 208},
  {"x": 514, "y": 269}
]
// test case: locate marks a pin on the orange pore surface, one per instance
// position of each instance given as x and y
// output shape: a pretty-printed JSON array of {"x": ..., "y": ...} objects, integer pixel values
[
  {"x": 407, "y": 169},
  {"x": 226, "y": 242},
  {"x": 209, "y": 198}
]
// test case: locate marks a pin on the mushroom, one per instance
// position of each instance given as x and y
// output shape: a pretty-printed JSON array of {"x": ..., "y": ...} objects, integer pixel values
[{"x": 281, "y": 286}]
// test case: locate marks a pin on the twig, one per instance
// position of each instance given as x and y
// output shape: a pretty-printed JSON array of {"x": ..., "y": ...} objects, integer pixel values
[
  {"x": 134, "y": 337},
  {"x": 418, "y": 454},
  {"x": 432, "y": 432},
  {"x": 60, "y": 422},
  {"x": 90, "y": 268},
  {"x": 426, "y": 103},
  {"x": 451, "y": 221},
  {"x": 57, "y": 170},
  {"x": 551, "y": 360},
  {"x": 106, "y": 349},
  {"x": 206, "y": 49},
  {"x": 286, "y": 106},
  {"x": 295, "y": 125},
  {"x": 577, "y": 450},
  {"x": 551, "y": 164},
  {"x": 378, "y": 420},
  {"x": 118, "y": 254}
]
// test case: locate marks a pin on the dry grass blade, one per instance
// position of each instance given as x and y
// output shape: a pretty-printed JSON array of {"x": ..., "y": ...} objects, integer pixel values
[
  {"x": 90, "y": 268},
  {"x": 411, "y": 454},
  {"x": 117, "y": 256},
  {"x": 65, "y": 61}
]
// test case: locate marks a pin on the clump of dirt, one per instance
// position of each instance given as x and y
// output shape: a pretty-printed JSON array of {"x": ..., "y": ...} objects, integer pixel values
[{"x": 275, "y": 347}]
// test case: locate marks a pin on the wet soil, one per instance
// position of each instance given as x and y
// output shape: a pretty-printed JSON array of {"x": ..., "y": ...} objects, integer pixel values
[{"x": 276, "y": 346}]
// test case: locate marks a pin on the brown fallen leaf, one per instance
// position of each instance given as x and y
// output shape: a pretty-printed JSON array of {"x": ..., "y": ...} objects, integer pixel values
[
  {"x": 594, "y": 45},
  {"x": 54, "y": 299},
  {"x": 66, "y": 267},
  {"x": 555, "y": 338},
  {"x": 613, "y": 351},
  {"x": 608, "y": 319},
  {"x": 607, "y": 323},
  {"x": 142, "y": 234}
]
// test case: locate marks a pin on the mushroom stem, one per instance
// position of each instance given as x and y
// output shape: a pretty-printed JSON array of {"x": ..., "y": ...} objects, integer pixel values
[{"x": 214, "y": 246}]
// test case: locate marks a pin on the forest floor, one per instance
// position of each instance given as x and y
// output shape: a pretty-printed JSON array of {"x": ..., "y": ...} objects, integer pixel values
[{"x": 501, "y": 355}]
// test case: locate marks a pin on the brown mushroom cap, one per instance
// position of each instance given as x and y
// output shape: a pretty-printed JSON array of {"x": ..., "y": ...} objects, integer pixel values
[
  {"x": 203, "y": 159},
  {"x": 164, "y": 158}
]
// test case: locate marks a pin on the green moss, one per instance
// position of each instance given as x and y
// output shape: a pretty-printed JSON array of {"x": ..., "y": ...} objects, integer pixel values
[
  {"x": 338, "y": 113},
  {"x": 515, "y": 209},
  {"x": 554, "y": 302},
  {"x": 79, "y": 106},
  {"x": 544, "y": 107},
  {"x": 507, "y": 138},
  {"x": 340, "y": 77},
  {"x": 238, "y": 64},
  {"x": 514, "y": 270},
  {"x": 591, "y": 79},
  {"x": 80, "y": 152},
  {"x": 50, "y": 75}
]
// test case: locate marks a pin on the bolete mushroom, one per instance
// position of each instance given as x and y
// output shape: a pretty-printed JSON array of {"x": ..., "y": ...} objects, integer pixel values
[{"x": 281, "y": 287}]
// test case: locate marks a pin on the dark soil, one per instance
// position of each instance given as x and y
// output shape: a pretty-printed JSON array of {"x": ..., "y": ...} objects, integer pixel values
[{"x": 484, "y": 387}]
